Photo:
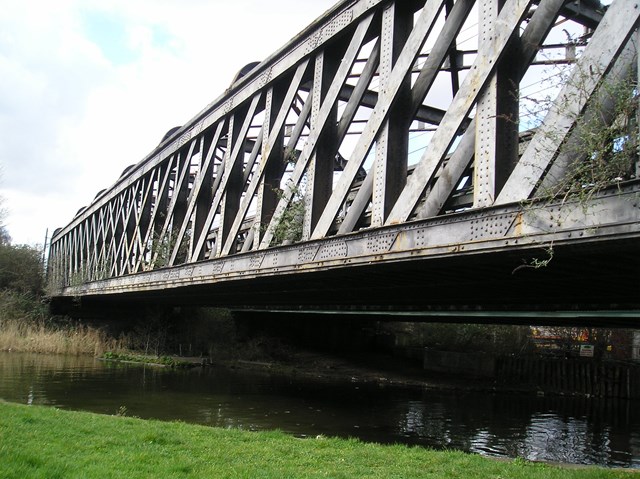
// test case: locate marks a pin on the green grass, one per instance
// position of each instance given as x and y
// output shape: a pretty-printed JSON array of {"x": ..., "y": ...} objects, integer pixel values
[
  {"x": 39, "y": 442},
  {"x": 141, "y": 358}
]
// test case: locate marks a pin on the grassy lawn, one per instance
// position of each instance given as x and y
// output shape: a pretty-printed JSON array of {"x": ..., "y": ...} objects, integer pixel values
[{"x": 39, "y": 442}]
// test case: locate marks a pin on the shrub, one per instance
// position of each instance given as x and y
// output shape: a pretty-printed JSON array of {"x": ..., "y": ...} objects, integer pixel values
[{"x": 21, "y": 269}]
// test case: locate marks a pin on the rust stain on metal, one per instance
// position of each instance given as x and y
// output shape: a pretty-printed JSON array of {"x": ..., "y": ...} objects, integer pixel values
[
  {"x": 401, "y": 242},
  {"x": 519, "y": 223}
]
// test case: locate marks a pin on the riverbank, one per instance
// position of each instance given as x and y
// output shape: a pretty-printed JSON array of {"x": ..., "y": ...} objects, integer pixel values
[
  {"x": 363, "y": 368},
  {"x": 39, "y": 442},
  {"x": 370, "y": 368}
]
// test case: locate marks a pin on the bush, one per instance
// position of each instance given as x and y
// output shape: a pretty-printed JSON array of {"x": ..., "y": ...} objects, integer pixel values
[
  {"x": 21, "y": 269},
  {"x": 480, "y": 338},
  {"x": 15, "y": 305}
]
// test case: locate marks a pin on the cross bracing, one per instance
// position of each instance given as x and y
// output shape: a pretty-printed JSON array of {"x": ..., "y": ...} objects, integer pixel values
[{"x": 433, "y": 122}]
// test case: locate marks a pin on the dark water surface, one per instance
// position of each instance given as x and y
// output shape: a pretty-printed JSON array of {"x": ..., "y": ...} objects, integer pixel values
[{"x": 581, "y": 431}]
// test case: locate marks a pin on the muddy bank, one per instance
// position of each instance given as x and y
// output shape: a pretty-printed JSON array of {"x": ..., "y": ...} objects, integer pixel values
[
  {"x": 542, "y": 377},
  {"x": 384, "y": 370}
]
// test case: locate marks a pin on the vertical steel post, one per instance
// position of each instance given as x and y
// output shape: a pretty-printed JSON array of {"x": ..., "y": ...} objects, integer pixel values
[
  {"x": 145, "y": 221},
  {"x": 204, "y": 195},
  {"x": 233, "y": 170},
  {"x": 320, "y": 168},
  {"x": 392, "y": 143},
  {"x": 180, "y": 207},
  {"x": 273, "y": 156},
  {"x": 496, "y": 151}
]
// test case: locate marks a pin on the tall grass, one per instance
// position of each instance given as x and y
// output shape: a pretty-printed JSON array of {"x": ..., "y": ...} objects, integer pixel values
[
  {"x": 42, "y": 337},
  {"x": 26, "y": 327}
]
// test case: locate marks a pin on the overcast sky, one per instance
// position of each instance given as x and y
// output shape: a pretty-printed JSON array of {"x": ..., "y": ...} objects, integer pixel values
[{"x": 88, "y": 87}]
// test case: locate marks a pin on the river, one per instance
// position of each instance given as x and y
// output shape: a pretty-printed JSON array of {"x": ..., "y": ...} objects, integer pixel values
[{"x": 555, "y": 429}]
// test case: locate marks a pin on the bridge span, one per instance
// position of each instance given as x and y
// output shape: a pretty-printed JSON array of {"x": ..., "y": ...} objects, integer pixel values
[{"x": 447, "y": 158}]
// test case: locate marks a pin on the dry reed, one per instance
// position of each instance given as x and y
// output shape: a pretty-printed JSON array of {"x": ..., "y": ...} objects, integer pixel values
[
  {"x": 40, "y": 337},
  {"x": 26, "y": 326}
]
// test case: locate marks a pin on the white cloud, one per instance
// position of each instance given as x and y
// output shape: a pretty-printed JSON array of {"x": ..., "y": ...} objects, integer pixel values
[{"x": 88, "y": 87}]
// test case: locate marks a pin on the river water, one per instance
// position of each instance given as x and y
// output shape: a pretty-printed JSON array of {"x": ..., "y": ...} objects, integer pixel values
[{"x": 557, "y": 429}]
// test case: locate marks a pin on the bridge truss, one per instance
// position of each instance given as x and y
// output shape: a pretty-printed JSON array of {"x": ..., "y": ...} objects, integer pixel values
[{"x": 386, "y": 132}]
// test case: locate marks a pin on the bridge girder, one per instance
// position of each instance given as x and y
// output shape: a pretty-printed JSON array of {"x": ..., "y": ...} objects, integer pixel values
[{"x": 386, "y": 85}]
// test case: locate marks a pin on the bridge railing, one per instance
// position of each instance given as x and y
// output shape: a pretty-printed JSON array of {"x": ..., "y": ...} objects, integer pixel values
[{"x": 379, "y": 113}]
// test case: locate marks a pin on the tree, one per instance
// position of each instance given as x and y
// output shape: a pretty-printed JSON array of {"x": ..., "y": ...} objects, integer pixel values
[
  {"x": 21, "y": 269},
  {"x": 5, "y": 239}
]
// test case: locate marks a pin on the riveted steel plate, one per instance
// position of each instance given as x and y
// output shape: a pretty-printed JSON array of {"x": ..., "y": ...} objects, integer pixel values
[{"x": 333, "y": 249}]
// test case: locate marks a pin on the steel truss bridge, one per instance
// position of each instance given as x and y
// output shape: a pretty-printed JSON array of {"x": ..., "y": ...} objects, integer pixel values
[{"x": 399, "y": 156}]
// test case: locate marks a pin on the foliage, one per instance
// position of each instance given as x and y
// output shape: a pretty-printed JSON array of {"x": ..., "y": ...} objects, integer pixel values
[
  {"x": 602, "y": 149},
  {"x": 149, "y": 332},
  {"x": 139, "y": 358},
  {"x": 607, "y": 150},
  {"x": 537, "y": 263},
  {"x": 21, "y": 306},
  {"x": 5, "y": 238},
  {"x": 21, "y": 269},
  {"x": 22, "y": 313},
  {"x": 155, "y": 331},
  {"x": 161, "y": 249},
  {"x": 208, "y": 332},
  {"x": 289, "y": 227},
  {"x": 35, "y": 332},
  {"x": 47, "y": 442},
  {"x": 486, "y": 338},
  {"x": 600, "y": 152},
  {"x": 291, "y": 156},
  {"x": 25, "y": 324}
]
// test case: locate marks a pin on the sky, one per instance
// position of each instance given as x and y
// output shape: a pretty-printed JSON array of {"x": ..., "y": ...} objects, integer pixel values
[{"x": 88, "y": 87}]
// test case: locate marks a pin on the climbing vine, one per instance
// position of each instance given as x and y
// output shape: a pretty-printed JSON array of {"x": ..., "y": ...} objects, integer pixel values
[{"x": 289, "y": 226}]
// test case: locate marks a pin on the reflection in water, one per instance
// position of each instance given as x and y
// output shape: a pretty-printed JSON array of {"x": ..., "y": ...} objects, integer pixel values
[
  {"x": 556, "y": 429},
  {"x": 547, "y": 430},
  {"x": 586, "y": 431}
]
